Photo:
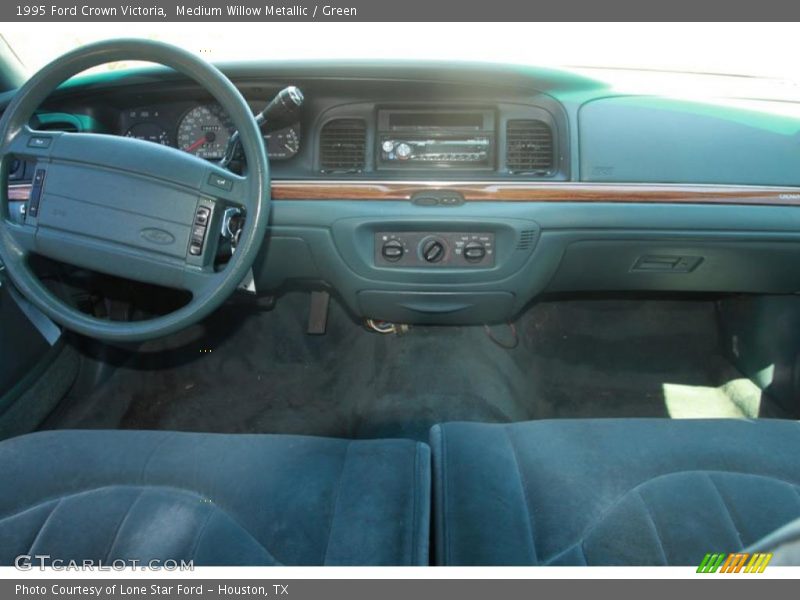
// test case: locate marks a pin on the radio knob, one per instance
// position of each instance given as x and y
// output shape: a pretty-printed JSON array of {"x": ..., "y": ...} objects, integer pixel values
[
  {"x": 474, "y": 252},
  {"x": 403, "y": 151},
  {"x": 433, "y": 251},
  {"x": 392, "y": 250}
]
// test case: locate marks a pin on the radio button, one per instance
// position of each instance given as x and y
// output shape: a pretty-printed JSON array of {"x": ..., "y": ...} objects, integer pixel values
[{"x": 403, "y": 151}]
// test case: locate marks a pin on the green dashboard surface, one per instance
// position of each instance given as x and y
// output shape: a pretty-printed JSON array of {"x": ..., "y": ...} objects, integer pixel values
[{"x": 665, "y": 129}]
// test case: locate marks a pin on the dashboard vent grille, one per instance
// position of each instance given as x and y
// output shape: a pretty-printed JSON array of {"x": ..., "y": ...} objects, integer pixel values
[
  {"x": 529, "y": 146},
  {"x": 57, "y": 121},
  {"x": 526, "y": 239},
  {"x": 342, "y": 146}
]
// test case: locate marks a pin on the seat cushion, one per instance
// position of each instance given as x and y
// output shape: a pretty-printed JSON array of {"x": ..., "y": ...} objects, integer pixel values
[
  {"x": 610, "y": 491},
  {"x": 215, "y": 499}
]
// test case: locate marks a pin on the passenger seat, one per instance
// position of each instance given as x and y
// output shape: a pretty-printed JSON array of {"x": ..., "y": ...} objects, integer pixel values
[{"x": 610, "y": 491}]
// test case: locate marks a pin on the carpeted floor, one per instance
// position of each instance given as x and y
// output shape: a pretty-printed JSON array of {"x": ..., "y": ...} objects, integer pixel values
[{"x": 259, "y": 372}]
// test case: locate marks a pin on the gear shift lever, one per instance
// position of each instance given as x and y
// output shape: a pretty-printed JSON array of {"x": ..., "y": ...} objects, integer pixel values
[{"x": 283, "y": 109}]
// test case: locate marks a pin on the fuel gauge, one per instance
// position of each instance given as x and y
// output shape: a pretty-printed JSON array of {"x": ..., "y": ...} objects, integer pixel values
[
  {"x": 150, "y": 132},
  {"x": 283, "y": 143}
]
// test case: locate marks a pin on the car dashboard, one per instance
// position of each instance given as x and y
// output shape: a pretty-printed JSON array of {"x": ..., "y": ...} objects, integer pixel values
[
  {"x": 200, "y": 128},
  {"x": 433, "y": 193}
]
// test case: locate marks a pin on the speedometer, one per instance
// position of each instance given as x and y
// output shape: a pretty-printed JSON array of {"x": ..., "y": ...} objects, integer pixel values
[{"x": 204, "y": 131}]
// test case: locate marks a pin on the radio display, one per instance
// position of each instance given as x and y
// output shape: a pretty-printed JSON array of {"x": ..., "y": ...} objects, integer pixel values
[{"x": 417, "y": 121}]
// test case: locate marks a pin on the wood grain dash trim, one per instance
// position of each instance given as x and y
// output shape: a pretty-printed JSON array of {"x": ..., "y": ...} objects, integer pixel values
[
  {"x": 542, "y": 192},
  {"x": 522, "y": 192},
  {"x": 19, "y": 192}
]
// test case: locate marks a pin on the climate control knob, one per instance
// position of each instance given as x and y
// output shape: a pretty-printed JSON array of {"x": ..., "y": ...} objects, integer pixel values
[
  {"x": 392, "y": 250},
  {"x": 474, "y": 252},
  {"x": 433, "y": 250}
]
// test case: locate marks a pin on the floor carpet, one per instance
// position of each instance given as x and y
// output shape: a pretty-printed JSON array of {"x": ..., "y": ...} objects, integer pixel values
[{"x": 244, "y": 371}]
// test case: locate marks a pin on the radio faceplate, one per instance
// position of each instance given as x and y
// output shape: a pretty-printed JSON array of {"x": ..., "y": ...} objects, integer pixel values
[
  {"x": 431, "y": 139},
  {"x": 430, "y": 151}
]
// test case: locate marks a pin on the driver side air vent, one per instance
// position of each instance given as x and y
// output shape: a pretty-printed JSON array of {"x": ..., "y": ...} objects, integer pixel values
[
  {"x": 342, "y": 146},
  {"x": 529, "y": 147},
  {"x": 66, "y": 127},
  {"x": 65, "y": 122}
]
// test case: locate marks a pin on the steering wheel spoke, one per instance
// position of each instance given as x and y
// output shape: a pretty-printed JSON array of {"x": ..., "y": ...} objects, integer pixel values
[
  {"x": 129, "y": 207},
  {"x": 19, "y": 240},
  {"x": 30, "y": 144},
  {"x": 226, "y": 186},
  {"x": 199, "y": 280}
]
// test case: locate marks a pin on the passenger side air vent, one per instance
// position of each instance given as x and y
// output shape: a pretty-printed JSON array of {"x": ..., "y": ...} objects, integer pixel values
[
  {"x": 529, "y": 147},
  {"x": 527, "y": 238},
  {"x": 342, "y": 146}
]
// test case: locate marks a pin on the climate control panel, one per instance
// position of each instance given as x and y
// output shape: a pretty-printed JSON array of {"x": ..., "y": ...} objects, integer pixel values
[{"x": 434, "y": 249}]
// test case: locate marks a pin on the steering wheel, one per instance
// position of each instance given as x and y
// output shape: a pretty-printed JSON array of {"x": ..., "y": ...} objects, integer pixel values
[{"x": 129, "y": 207}]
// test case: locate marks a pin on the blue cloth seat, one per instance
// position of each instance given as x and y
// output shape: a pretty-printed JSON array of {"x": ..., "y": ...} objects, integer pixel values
[
  {"x": 610, "y": 491},
  {"x": 214, "y": 499}
]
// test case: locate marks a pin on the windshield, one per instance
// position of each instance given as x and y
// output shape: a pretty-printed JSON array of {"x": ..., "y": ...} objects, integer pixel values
[{"x": 648, "y": 46}]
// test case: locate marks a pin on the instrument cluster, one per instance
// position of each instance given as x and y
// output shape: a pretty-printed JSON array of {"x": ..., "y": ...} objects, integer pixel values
[{"x": 202, "y": 128}]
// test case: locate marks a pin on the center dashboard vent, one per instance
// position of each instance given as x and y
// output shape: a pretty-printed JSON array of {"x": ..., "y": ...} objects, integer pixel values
[
  {"x": 342, "y": 146},
  {"x": 529, "y": 147}
]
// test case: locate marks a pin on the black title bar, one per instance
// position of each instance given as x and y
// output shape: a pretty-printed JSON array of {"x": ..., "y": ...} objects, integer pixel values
[{"x": 398, "y": 10}]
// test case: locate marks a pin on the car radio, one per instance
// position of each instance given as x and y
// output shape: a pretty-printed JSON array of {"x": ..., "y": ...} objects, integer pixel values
[
  {"x": 423, "y": 139},
  {"x": 436, "y": 151}
]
